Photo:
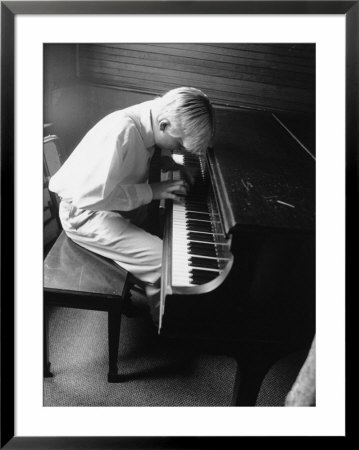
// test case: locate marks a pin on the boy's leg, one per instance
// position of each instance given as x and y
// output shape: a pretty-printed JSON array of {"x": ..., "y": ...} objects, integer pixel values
[{"x": 111, "y": 235}]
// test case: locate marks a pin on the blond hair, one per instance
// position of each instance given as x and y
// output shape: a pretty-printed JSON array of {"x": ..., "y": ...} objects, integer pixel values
[{"x": 190, "y": 110}]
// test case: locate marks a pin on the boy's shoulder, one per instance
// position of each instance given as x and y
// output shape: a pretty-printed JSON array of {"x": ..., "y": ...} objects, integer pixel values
[
  {"x": 134, "y": 120},
  {"x": 129, "y": 115},
  {"x": 138, "y": 110},
  {"x": 116, "y": 120}
]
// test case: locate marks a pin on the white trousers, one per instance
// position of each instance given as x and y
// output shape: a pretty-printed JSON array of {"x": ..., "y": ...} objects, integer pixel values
[{"x": 118, "y": 236}]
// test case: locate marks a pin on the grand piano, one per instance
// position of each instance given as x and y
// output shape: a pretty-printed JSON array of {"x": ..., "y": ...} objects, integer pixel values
[{"x": 239, "y": 254}]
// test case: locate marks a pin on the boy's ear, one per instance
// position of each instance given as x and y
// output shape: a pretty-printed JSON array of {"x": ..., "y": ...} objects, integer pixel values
[{"x": 164, "y": 124}]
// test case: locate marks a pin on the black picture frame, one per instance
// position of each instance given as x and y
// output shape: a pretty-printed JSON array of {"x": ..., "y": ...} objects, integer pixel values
[{"x": 9, "y": 9}]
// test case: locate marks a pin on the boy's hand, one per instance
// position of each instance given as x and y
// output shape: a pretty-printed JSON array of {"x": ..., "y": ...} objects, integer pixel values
[{"x": 174, "y": 190}]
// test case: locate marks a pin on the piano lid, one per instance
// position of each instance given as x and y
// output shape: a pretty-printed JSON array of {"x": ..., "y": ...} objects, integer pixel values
[{"x": 264, "y": 174}]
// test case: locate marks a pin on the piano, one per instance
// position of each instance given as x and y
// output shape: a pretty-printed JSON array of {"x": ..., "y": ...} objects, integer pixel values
[{"x": 239, "y": 253}]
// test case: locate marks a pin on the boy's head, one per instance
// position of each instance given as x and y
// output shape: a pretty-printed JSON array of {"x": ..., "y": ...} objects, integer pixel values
[{"x": 184, "y": 120}]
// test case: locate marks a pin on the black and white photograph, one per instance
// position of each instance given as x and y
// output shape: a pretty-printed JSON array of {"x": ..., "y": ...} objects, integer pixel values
[
  {"x": 179, "y": 224},
  {"x": 179, "y": 185}
]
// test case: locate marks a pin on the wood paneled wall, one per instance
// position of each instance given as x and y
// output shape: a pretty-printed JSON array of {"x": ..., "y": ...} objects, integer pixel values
[{"x": 275, "y": 77}]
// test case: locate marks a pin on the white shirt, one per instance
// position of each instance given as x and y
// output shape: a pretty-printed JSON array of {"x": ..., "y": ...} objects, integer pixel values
[{"x": 109, "y": 168}]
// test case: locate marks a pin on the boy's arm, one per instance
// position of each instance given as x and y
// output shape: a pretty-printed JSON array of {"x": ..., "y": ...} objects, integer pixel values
[
  {"x": 107, "y": 184},
  {"x": 121, "y": 198},
  {"x": 98, "y": 177},
  {"x": 106, "y": 193}
]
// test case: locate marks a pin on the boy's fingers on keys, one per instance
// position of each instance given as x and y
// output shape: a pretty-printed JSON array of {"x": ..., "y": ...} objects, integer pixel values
[
  {"x": 170, "y": 184},
  {"x": 179, "y": 187},
  {"x": 175, "y": 197},
  {"x": 184, "y": 184},
  {"x": 178, "y": 183}
]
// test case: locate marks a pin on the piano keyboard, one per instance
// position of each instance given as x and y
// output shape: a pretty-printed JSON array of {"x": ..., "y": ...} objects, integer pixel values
[{"x": 200, "y": 251}]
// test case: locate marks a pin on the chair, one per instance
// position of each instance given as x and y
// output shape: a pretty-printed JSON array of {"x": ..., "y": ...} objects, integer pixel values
[
  {"x": 52, "y": 161},
  {"x": 77, "y": 278}
]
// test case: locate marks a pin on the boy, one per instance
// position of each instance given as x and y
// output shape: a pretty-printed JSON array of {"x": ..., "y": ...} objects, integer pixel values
[{"x": 104, "y": 188}]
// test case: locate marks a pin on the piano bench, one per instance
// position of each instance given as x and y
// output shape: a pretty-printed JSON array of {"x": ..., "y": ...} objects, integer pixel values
[{"x": 77, "y": 278}]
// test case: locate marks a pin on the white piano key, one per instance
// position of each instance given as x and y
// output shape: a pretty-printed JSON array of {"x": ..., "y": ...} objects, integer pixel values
[{"x": 181, "y": 264}]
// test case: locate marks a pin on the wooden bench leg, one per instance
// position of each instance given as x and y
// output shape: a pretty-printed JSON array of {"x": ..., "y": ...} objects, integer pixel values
[
  {"x": 114, "y": 326},
  {"x": 47, "y": 373}
]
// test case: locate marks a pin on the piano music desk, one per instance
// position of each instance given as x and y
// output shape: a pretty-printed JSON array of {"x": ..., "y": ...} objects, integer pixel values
[{"x": 77, "y": 278}]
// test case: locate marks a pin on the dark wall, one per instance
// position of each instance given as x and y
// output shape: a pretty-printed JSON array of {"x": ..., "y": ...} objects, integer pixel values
[
  {"x": 84, "y": 82},
  {"x": 59, "y": 72},
  {"x": 64, "y": 96},
  {"x": 257, "y": 76}
]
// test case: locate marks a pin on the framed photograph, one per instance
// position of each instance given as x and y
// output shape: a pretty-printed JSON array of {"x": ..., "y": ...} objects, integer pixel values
[{"x": 265, "y": 66}]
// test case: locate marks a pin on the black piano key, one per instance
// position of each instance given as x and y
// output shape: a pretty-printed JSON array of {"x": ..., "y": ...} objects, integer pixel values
[
  {"x": 197, "y": 197},
  {"x": 191, "y": 222},
  {"x": 200, "y": 202},
  {"x": 199, "y": 281},
  {"x": 191, "y": 161},
  {"x": 200, "y": 237},
  {"x": 199, "y": 227},
  {"x": 202, "y": 276},
  {"x": 199, "y": 187},
  {"x": 192, "y": 201},
  {"x": 197, "y": 216},
  {"x": 203, "y": 262},
  {"x": 195, "y": 206},
  {"x": 209, "y": 251},
  {"x": 198, "y": 191},
  {"x": 195, "y": 200},
  {"x": 204, "y": 273},
  {"x": 193, "y": 158},
  {"x": 201, "y": 246},
  {"x": 200, "y": 252}
]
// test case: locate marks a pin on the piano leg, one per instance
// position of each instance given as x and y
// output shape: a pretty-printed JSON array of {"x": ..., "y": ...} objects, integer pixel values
[
  {"x": 253, "y": 364},
  {"x": 247, "y": 384}
]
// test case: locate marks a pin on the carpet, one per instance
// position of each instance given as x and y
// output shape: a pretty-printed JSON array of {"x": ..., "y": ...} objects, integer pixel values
[{"x": 159, "y": 371}]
